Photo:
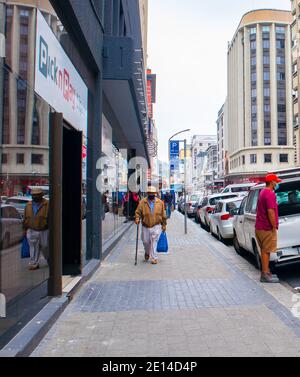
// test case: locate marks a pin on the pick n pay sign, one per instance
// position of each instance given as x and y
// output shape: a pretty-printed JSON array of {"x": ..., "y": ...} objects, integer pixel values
[{"x": 56, "y": 79}]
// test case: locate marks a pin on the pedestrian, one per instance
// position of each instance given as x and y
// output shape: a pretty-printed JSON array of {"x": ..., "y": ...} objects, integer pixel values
[
  {"x": 105, "y": 206},
  {"x": 267, "y": 225},
  {"x": 151, "y": 212},
  {"x": 168, "y": 204},
  {"x": 36, "y": 227}
]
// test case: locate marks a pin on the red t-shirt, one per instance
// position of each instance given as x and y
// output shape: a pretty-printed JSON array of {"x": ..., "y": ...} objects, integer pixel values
[{"x": 267, "y": 200}]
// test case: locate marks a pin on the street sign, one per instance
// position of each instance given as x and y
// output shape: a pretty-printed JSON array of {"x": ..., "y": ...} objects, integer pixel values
[{"x": 174, "y": 149}]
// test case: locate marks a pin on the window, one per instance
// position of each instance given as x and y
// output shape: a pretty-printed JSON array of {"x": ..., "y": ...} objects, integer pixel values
[
  {"x": 242, "y": 207},
  {"x": 253, "y": 61},
  {"x": 268, "y": 159},
  {"x": 267, "y": 92},
  {"x": 254, "y": 109},
  {"x": 281, "y": 108},
  {"x": 254, "y": 202},
  {"x": 253, "y": 93},
  {"x": 283, "y": 158},
  {"x": 253, "y": 45},
  {"x": 266, "y": 59},
  {"x": 266, "y": 44},
  {"x": 267, "y": 108},
  {"x": 37, "y": 159},
  {"x": 280, "y": 76},
  {"x": 253, "y": 159},
  {"x": 280, "y": 29},
  {"x": 280, "y": 60},
  {"x": 20, "y": 158},
  {"x": 253, "y": 30},
  {"x": 253, "y": 77},
  {"x": 266, "y": 76},
  {"x": 288, "y": 198},
  {"x": 244, "y": 160},
  {"x": 4, "y": 158},
  {"x": 266, "y": 29},
  {"x": 280, "y": 44}
]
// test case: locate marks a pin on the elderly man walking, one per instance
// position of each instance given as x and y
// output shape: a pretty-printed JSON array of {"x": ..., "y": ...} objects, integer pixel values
[
  {"x": 151, "y": 212},
  {"x": 36, "y": 227},
  {"x": 267, "y": 225}
]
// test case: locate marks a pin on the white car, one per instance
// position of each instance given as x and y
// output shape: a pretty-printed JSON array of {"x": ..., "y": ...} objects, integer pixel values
[
  {"x": 288, "y": 197},
  {"x": 240, "y": 189},
  {"x": 19, "y": 202},
  {"x": 11, "y": 227},
  {"x": 193, "y": 203},
  {"x": 208, "y": 206},
  {"x": 221, "y": 221}
]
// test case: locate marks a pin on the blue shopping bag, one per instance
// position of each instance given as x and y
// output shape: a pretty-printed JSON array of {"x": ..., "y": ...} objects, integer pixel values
[
  {"x": 25, "y": 252},
  {"x": 163, "y": 246}
]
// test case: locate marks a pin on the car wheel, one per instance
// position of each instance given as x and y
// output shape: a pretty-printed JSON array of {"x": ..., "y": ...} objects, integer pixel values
[
  {"x": 220, "y": 238},
  {"x": 236, "y": 245},
  {"x": 258, "y": 264},
  {"x": 201, "y": 224}
]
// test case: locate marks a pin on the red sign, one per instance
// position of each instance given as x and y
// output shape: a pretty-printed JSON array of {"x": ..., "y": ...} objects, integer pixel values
[{"x": 84, "y": 151}]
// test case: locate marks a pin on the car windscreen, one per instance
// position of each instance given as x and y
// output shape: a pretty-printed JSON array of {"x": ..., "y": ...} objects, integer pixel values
[
  {"x": 214, "y": 201},
  {"x": 288, "y": 198},
  {"x": 240, "y": 189},
  {"x": 194, "y": 198}
]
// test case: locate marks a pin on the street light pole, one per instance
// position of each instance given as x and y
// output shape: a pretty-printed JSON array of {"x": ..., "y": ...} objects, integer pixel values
[
  {"x": 185, "y": 174},
  {"x": 185, "y": 201}
]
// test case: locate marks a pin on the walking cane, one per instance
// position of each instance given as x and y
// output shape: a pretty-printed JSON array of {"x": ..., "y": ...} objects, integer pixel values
[{"x": 137, "y": 244}]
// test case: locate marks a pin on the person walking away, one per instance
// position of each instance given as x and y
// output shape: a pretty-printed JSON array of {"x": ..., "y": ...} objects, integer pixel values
[
  {"x": 105, "y": 196},
  {"x": 267, "y": 225},
  {"x": 36, "y": 227},
  {"x": 151, "y": 212},
  {"x": 168, "y": 204}
]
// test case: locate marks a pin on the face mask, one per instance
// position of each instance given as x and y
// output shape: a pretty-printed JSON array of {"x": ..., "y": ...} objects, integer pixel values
[
  {"x": 277, "y": 187},
  {"x": 151, "y": 197}
]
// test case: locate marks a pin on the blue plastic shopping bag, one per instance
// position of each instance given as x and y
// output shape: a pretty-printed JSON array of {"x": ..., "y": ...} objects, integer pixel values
[
  {"x": 163, "y": 246},
  {"x": 25, "y": 253}
]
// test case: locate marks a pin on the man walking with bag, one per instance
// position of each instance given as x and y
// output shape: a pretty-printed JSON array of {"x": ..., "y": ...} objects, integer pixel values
[
  {"x": 36, "y": 227},
  {"x": 151, "y": 212},
  {"x": 267, "y": 225}
]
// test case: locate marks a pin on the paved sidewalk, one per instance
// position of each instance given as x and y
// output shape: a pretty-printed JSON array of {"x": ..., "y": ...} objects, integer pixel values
[{"x": 201, "y": 300}]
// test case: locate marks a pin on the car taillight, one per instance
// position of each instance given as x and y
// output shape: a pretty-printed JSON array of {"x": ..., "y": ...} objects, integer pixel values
[
  {"x": 209, "y": 210},
  {"x": 226, "y": 217}
]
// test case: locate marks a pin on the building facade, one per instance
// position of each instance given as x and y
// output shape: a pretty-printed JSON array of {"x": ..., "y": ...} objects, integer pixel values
[
  {"x": 296, "y": 76},
  {"x": 73, "y": 116},
  {"x": 199, "y": 145},
  {"x": 222, "y": 133},
  {"x": 260, "y": 119}
]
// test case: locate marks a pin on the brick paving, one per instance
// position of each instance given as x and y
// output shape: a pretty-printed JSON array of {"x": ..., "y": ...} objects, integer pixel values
[{"x": 201, "y": 300}]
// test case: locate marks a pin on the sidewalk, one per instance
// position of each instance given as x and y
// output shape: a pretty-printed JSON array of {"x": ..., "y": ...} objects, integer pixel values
[{"x": 201, "y": 300}]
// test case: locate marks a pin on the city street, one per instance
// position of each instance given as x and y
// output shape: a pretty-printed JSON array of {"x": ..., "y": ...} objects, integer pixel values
[{"x": 201, "y": 300}]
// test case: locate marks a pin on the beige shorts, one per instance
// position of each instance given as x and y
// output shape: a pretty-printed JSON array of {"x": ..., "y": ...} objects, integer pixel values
[{"x": 267, "y": 241}]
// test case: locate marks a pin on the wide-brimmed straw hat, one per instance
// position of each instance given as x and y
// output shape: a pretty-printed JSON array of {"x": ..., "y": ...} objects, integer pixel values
[
  {"x": 152, "y": 190},
  {"x": 37, "y": 191}
]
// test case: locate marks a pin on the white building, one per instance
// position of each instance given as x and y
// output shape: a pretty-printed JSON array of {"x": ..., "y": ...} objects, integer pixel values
[{"x": 260, "y": 114}]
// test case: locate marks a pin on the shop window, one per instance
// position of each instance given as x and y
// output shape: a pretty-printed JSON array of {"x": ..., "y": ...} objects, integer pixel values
[
  {"x": 20, "y": 158},
  {"x": 4, "y": 158},
  {"x": 37, "y": 159}
]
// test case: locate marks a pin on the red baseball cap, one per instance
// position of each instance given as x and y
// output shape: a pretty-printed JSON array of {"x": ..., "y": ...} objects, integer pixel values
[{"x": 272, "y": 178}]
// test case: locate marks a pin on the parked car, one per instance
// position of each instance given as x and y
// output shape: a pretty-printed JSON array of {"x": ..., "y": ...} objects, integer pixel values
[
  {"x": 3, "y": 199},
  {"x": 192, "y": 204},
  {"x": 221, "y": 221},
  {"x": 19, "y": 202},
  {"x": 181, "y": 204},
  {"x": 208, "y": 206},
  {"x": 288, "y": 197},
  {"x": 240, "y": 189},
  {"x": 11, "y": 226}
]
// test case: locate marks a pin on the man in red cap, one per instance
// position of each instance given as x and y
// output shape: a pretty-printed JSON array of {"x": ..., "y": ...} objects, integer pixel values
[{"x": 267, "y": 224}]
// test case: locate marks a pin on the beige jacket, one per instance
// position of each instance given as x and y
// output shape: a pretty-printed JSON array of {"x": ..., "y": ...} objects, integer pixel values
[{"x": 149, "y": 220}]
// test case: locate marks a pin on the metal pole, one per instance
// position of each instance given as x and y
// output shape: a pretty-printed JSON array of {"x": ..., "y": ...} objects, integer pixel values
[{"x": 185, "y": 201}]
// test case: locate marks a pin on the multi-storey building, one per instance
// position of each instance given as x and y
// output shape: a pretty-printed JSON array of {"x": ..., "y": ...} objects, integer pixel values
[
  {"x": 296, "y": 76},
  {"x": 260, "y": 120},
  {"x": 222, "y": 133},
  {"x": 200, "y": 144}
]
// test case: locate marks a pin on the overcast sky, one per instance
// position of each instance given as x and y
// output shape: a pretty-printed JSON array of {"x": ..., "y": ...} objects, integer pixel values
[{"x": 188, "y": 52}]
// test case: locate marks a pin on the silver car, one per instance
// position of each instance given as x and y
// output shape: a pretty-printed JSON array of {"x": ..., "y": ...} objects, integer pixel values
[
  {"x": 11, "y": 227},
  {"x": 19, "y": 202},
  {"x": 192, "y": 204},
  {"x": 208, "y": 206},
  {"x": 221, "y": 221}
]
